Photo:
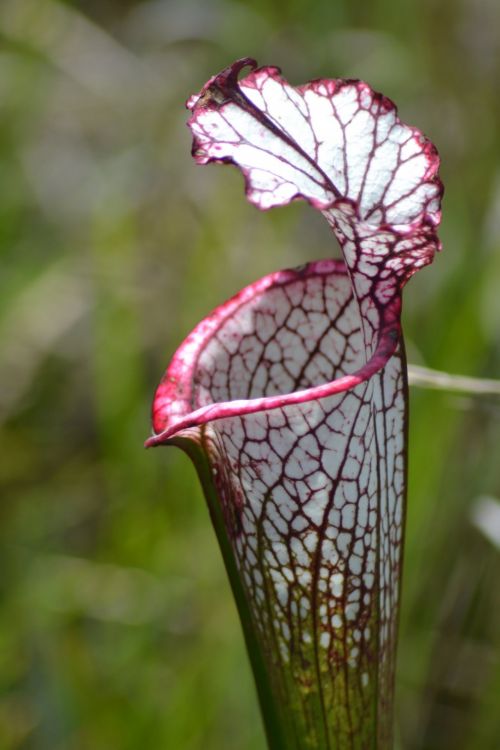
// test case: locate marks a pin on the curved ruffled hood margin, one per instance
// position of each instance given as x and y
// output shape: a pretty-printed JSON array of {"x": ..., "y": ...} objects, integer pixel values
[{"x": 291, "y": 398}]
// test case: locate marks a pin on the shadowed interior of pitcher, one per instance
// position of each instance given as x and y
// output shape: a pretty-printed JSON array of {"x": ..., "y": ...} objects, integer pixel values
[{"x": 292, "y": 337}]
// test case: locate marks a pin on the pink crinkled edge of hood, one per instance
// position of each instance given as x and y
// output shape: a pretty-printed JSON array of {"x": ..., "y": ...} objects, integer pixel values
[{"x": 229, "y": 78}]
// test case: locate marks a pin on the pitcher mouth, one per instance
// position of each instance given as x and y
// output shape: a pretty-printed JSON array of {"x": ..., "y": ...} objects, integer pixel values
[{"x": 181, "y": 402}]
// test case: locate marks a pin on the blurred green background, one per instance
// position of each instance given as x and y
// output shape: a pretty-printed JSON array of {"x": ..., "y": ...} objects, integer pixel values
[{"x": 117, "y": 629}]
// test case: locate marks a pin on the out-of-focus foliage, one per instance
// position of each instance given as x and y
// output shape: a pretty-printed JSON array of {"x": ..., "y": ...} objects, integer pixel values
[{"x": 117, "y": 628}]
